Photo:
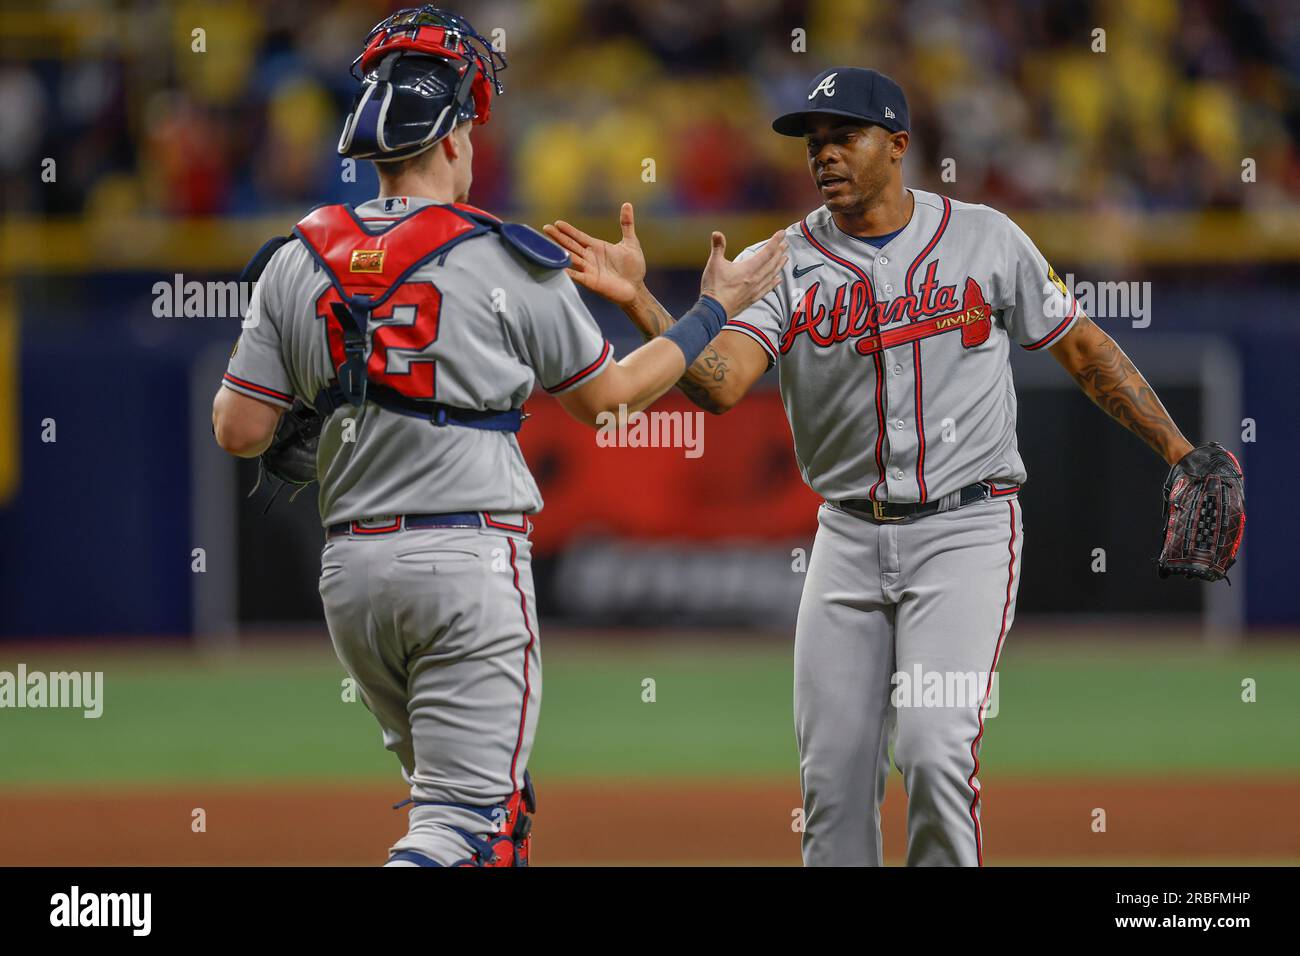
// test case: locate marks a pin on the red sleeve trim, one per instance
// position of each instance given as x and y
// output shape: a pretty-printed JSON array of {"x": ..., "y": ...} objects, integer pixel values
[
  {"x": 1056, "y": 333},
  {"x": 244, "y": 384},
  {"x": 753, "y": 332},
  {"x": 579, "y": 376}
]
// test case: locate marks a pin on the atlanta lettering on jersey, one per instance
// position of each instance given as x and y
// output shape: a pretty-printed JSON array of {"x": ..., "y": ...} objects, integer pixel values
[{"x": 852, "y": 314}]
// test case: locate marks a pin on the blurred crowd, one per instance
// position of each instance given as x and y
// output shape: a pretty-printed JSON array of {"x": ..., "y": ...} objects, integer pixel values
[{"x": 1012, "y": 97}]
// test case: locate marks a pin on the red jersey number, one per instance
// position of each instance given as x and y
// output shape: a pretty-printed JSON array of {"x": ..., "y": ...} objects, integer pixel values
[{"x": 403, "y": 328}]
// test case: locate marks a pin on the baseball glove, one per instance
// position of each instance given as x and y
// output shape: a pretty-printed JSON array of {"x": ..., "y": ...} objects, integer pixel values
[
  {"x": 1205, "y": 513},
  {"x": 291, "y": 456}
]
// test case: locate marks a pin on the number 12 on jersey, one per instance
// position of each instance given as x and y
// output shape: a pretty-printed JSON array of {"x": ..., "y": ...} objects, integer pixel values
[{"x": 402, "y": 331}]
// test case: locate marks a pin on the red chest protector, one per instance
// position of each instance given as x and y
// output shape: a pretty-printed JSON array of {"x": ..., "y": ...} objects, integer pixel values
[{"x": 367, "y": 269}]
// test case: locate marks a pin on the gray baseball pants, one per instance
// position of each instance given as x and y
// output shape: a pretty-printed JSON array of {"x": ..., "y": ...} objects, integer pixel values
[
  {"x": 932, "y": 596},
  {"x": 438, "y": 627}
]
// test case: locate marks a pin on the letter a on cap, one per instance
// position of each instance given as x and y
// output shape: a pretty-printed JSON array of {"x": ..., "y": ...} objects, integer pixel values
[{"x": 826, "y": 86}]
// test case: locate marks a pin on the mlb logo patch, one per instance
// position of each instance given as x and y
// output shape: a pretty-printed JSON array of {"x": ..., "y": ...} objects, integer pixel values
[{"x": 397, "y": 204}]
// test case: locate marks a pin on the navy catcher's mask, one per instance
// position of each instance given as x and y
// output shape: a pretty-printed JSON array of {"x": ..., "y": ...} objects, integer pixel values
[{"x": 422, "y": 72}]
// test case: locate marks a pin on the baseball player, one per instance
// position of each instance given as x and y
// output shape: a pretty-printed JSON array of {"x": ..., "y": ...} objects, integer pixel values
[
  {"x": 405, "y": 335},
  {"x": 890, "y": 332}
]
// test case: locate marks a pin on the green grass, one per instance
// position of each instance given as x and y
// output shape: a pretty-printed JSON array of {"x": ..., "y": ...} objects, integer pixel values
[
  {"x": 714, "y": 714},
  {"x": 1079, "y": 711},
  {"x": 250, "y": 720},
  {"x": 721, "y": 709},
  {"x": 1146, "y": 712}
]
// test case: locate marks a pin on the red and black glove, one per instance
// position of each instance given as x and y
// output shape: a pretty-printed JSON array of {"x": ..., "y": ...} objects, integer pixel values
[{"x": 1205, "y": 513}]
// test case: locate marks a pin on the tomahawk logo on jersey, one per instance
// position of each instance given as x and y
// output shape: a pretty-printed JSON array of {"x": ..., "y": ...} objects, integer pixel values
[
  {"x": 893, "y": 361},
  {"x": 850, "y": 316}
]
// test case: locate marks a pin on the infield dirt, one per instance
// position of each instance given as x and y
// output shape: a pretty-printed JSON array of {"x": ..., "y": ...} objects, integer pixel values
[{"x": 1162, "y": 820}]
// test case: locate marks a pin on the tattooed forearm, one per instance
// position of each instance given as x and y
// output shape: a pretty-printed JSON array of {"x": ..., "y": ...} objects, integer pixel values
[
  {"x": 1113, "y": 382},
  {"x": 709, "y": 371},
  {"x": 649, "y": 316}
]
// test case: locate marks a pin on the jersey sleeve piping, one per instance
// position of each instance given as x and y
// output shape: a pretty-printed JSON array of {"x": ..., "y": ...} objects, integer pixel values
[
  {"x": 253, "y": 390},
  {"x": 1057, "y": 332},
  {"x": 576, "y": 379},
  {"x": 754, "y": 333}
]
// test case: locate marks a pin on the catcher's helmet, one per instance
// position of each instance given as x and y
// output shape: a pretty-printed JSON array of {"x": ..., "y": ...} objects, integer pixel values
[{"x": 422, "y": 71}]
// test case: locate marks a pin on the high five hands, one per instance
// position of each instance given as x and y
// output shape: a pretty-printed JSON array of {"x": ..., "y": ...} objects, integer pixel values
[{"x": 616, "y": 271}]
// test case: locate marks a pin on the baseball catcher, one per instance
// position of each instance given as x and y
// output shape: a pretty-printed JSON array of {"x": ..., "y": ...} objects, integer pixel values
[{"x": 402, "y": 337}]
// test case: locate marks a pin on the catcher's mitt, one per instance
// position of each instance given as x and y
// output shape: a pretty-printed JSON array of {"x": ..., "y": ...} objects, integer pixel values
[
  {"x": 1205, "y": 513},
  {"x": 291, "y": 456}
]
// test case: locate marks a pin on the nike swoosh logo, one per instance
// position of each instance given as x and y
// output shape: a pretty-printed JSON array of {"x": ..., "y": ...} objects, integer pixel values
[{"x": 806, "y": 269}]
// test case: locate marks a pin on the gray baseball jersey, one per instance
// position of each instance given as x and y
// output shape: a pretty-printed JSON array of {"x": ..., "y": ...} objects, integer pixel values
[
  {"x": 894, "y": 371},
  {"x": 501, "y": 327},
  {"x": 436, "y": 625},
  {"x": 893, "y": 362}
]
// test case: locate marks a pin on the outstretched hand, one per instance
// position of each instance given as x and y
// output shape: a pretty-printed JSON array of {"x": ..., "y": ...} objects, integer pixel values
[
  {"x": 740, "y": 283},
  {"x": 614, "y": 271}
]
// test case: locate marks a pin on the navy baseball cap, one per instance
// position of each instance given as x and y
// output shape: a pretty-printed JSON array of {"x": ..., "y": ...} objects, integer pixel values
[{"x": 862, "y": 95}]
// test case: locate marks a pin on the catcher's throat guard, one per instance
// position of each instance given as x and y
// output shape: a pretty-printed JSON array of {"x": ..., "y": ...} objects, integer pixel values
[{"x": 422, "y": 72}]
